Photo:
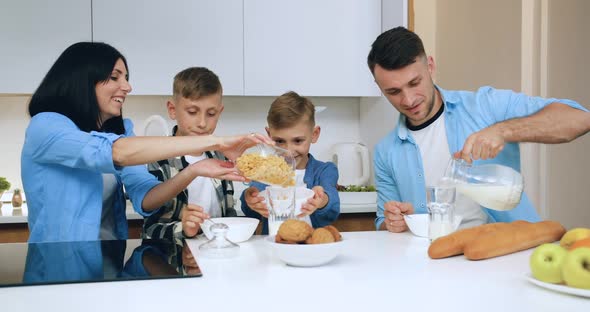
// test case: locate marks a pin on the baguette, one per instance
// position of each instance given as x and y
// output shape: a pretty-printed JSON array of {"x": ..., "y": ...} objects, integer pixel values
[
  {"x": 516, "y": 237},
  {"x": 454, "y": 243}
]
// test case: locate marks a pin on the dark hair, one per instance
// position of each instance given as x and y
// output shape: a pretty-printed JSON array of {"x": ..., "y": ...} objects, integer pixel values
[
  {"x": 69, "y": 86},
  {"x": 289, "y": 109},
  {"x": 394, "y": 49},
  {"x": 195, "y": 82}
]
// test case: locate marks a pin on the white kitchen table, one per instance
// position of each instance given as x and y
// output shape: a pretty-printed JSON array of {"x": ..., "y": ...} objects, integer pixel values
[{"x": 377, "y": 271}]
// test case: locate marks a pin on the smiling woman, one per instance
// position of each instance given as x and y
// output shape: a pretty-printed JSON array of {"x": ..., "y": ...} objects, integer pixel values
[{"x": 78, "y": 146}]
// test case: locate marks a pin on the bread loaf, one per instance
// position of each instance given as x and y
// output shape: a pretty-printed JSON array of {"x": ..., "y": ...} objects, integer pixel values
[
  {"x": 516, "y": 237},
  {"x": 454, "y": 243}
]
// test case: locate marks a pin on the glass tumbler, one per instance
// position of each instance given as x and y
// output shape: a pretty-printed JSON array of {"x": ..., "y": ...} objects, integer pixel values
[
  {"x": 281, "y": 206},
  {"x": 441, "y": 209}
]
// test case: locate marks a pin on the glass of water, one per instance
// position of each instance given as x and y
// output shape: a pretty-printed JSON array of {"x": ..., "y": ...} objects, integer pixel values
[
  {"x": 281, "y": 206},
  {"x": 441, "y": 210}
]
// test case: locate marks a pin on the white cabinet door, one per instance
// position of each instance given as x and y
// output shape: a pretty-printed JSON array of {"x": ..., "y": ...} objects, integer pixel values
[
  {"x": 309, "y": 46},
  {"x": 33, "y": 34},
  {"x": 160, "y": 38}
]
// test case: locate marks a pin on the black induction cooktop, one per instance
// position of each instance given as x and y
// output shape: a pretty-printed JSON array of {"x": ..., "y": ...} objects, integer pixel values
[{"x": 23, "y": 264}]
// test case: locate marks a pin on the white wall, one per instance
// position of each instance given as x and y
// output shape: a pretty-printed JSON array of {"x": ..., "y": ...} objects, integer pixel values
[
  {"x": 568, "y": 169},
  {"x": 339, "y": 123}
]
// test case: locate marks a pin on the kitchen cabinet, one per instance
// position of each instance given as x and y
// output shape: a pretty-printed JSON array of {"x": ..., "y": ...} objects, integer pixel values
[
  {"x": 256, "y": 47},
  {"x": 316, "y": 48},
  {"x": 161, "y": 38},
  {"x": 33, "y": 34}
]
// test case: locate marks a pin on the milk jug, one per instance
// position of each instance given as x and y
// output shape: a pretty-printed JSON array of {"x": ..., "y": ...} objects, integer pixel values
[{"x": 492, "y": 186}]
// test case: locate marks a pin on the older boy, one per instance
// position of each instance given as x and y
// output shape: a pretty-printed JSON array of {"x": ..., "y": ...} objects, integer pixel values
[
  {"x": 196, "y": 106},
  {"x": 291, "y": 124}
]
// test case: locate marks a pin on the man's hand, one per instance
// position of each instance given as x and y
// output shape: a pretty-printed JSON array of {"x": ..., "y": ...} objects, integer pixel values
[
  {"x": 192, "y": 216},
  {"x": 484, "y": 144},
  {"x": 318, "y": 201},
  {"x": 394, "y": 220},
  {"x": 255, "y": 201}
]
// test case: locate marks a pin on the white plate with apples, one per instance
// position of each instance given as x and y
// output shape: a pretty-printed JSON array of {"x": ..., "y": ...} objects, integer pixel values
[
  {"x": 557, "y": 268},
  {"x": 559, "y": 287}
]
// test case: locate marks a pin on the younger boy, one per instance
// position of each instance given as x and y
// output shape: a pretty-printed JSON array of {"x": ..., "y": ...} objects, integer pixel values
[
  {"x": 291, "y": 124},
  {"x": 196, "y": 106}
]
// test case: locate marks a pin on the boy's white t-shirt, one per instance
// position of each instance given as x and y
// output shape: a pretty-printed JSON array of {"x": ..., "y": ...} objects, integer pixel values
[
  {"x": 432, "y": 143},
  {"x": 201, "y": 191},
  {"x": 299, "y": 174}
]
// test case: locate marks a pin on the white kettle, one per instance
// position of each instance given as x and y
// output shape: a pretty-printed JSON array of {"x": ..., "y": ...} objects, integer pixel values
[
  {"x": 352, "y": 160},
  {"x": 155, "y": 125}
]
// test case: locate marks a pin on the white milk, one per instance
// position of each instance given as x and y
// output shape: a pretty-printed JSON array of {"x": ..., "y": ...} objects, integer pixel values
[
  {"x": 439, "y": 228},
  {"x": 497, "y": 197}
]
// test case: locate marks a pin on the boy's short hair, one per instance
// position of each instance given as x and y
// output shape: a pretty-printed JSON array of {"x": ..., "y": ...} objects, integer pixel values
[
  {"x": 289, "y": 109},
  {"x": 196, "y": 82},
  {"x": 395, "y": 49}
]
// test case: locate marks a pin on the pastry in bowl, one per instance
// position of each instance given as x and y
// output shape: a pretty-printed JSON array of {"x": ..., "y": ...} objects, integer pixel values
[{"x": 320, "y": 247}]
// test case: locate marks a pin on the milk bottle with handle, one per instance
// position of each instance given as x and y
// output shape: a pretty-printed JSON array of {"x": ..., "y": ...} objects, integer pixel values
[{"x": 491, "y": 185}]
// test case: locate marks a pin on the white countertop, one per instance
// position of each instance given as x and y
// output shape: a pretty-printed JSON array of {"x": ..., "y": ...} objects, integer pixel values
[{"x": 378, "y": 271}]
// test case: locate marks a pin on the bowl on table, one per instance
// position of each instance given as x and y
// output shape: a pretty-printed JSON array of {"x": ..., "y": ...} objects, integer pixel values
[
  {"x": 240, "y": 228},
  {"x": 305, "y": 255},
  {"x": 418, "y": 223}
]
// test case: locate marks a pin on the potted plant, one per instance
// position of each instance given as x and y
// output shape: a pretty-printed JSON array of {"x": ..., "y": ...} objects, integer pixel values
[
  {"x": 357, "y": 194},
  {"x": 4, "y": 186}
]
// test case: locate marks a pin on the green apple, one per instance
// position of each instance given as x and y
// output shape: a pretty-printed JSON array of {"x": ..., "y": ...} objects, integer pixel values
[
  {"x": 576, "y": 268},
  {"x": 546, "y": 263}
]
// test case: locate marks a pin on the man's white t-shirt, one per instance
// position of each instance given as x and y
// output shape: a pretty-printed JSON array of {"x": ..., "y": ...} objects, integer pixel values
[
  {"x": 201, "y": 191},
  {"x": 434, "y": 149}
]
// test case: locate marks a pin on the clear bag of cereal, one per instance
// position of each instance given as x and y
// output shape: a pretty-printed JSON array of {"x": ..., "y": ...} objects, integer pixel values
[{"x": 268, "y": 164}]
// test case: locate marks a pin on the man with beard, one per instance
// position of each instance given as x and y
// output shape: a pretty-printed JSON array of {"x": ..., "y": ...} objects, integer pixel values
[{"x": 435, "y": 125}]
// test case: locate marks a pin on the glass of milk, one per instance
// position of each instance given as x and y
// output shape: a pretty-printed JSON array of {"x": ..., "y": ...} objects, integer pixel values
[
  {"x": 281, "y": 206},
  {"x": 492, "y": 186},
  {"x": 441, "y": 210}
]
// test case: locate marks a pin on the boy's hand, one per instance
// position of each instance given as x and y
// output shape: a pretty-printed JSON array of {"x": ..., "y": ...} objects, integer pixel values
[
  {"x": 192, "y": 216},
  {"x": 216, "y": 168},
  {"x": 255, "y": 201},
  {"x": 319, "y": 200},
  {"x": 394, "y": 220}
]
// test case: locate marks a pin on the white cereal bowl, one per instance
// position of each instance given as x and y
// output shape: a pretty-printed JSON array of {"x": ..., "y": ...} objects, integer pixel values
[
  {"x": 418, "y": 223},
  {"x": 304, "y": 255},
  {"x": 240, "y": 228}
]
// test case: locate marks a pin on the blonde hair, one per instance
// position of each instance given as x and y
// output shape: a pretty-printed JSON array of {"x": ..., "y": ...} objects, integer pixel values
[
  {"x": 289, "y": 109},
  {"x": 195, "y": 82}
]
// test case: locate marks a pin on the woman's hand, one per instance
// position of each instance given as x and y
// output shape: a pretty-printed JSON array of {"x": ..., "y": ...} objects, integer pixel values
[
  {"x": 233, "y": 146},
  {"x": 216, "y": 168}
]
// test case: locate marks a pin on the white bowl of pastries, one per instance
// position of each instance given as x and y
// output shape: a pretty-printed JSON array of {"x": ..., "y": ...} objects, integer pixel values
[
  {"x": 240, "y": 228},
  {"x": 304, "y": 246}
]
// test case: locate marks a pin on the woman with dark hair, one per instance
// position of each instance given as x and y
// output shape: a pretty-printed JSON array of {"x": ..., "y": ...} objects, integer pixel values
[{"x": 79, "y": 151}]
